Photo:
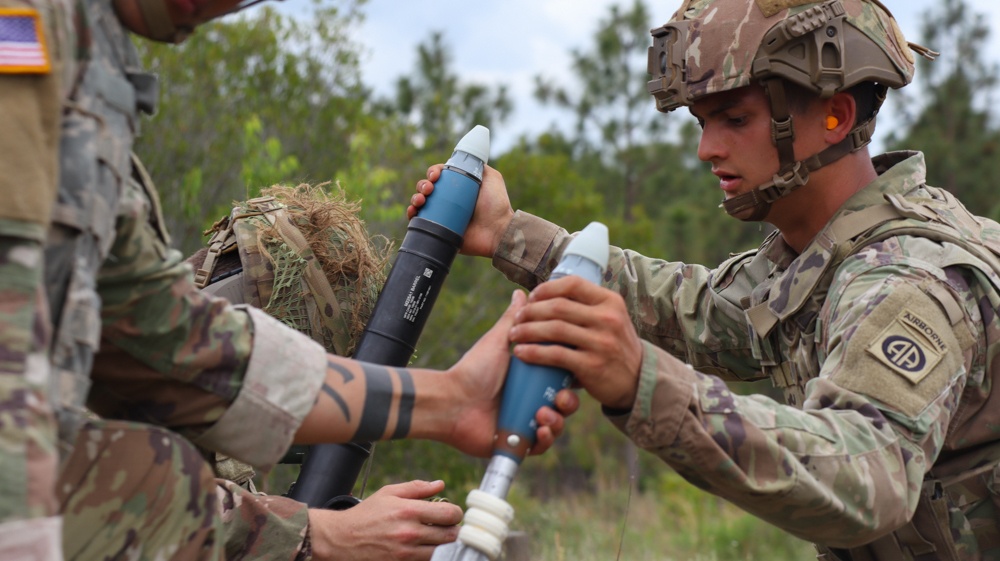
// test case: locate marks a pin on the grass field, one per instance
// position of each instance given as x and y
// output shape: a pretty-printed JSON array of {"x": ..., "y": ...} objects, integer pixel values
[
  {"x": 668, "y": 520},
  {"x": 675, "y": 522}
]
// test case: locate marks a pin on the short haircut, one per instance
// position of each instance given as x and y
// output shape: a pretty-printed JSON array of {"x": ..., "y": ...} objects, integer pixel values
[{"x": 865, "y": 96}]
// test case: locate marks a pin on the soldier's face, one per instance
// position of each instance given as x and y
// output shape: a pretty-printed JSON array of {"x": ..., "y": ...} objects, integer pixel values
[{"x": 736, "y": 138}]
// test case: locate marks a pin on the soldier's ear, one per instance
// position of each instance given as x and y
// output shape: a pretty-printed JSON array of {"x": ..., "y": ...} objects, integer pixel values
[
  {"x": 150, "y": 19},
  {"x": 841, "y": 111}
]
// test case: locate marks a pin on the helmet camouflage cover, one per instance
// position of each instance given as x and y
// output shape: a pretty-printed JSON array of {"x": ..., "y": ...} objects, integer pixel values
[
  {"x": 711, "y": 46},
  {"x": 304, "y": 255},
  {"x": 306, "y": 258}
]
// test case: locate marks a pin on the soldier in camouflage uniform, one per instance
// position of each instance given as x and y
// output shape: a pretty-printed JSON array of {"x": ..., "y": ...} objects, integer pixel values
[
  {"x": 873, "y": 306},
  {"x": 98, "y": 314}
]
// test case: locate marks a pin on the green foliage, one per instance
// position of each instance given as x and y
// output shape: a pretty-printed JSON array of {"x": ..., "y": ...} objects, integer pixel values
[
  {"x": 673, "y": 521},
  {"x": 370, "y": 178},
  {"x": 956, "y": 126},
  {"x": 550, "y": 184},
  {"x": 264, "y": 163},
  {"x": 295, "y": 84},
  {"x": 440, "y": 105},
  {"x": 615, "y": 121}
]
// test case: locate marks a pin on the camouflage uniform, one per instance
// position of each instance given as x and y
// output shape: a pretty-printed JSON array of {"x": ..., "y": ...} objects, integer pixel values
[
  {"x": 29, "y": 523},
  {"x": 882, "y": 335},
  {"x": 126, "y": 332}
]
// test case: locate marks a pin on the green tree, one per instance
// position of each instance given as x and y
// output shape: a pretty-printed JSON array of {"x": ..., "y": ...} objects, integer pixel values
[
  {"x": 955, "y": 125},
  {"x": 296, "y": 84},
  {"x": 615, "y": 118},
  {"x": 441, "y": 107}
]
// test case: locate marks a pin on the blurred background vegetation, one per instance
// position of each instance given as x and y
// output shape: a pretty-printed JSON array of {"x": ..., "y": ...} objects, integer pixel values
[{"x": 265, "y": 98}]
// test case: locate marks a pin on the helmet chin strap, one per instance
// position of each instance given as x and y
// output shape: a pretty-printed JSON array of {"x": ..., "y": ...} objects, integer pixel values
[{"x": 754, "y": 205}]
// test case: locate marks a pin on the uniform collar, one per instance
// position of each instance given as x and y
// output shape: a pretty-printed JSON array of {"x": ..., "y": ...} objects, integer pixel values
[{"x": 800, "y": 274}]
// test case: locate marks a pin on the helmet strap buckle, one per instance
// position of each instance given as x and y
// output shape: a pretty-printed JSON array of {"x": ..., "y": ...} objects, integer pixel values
[
  {"x": 785, "y": 182},
  {"x": 782, "y": 130}
]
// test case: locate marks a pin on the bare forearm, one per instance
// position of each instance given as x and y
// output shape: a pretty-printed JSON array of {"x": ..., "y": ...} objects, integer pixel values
[{"x": 363, "y": 401}]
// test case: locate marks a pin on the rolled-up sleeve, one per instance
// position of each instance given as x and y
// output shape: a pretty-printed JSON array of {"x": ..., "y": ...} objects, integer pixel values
[{"x": 282, "y": 381}]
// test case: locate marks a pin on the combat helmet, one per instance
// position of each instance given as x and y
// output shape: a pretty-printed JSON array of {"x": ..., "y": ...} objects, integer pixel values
[
  {"x": 304, "y": 256},
  {"x": 712, "y": 46}
]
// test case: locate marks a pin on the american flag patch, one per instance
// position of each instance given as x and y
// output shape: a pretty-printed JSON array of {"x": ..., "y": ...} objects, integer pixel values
[{"x": 22, "y": 43}]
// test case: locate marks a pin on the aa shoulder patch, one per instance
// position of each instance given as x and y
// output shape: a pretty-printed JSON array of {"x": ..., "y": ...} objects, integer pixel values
[
  {"x": 910, "y": 346},
  {"x": 902, "y": 358},
  {"x": 22, "y": 42}
]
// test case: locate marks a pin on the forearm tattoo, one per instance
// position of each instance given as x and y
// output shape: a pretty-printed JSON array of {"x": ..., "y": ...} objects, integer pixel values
[
  {"x": 338, "y": 399},
  {"x": 388, "y": 400}
]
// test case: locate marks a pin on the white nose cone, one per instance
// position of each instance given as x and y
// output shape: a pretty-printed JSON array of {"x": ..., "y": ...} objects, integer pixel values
[
  {"x": 476, "y": 143},
  {"x": 592, "y": 244}
]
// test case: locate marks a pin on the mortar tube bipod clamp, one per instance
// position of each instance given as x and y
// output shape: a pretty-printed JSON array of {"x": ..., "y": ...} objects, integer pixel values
[
  {"x": 433, "y": 238},
  {"x": 527, "y": 389}
]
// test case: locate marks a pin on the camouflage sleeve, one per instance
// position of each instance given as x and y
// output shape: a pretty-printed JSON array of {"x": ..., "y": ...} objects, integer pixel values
[
  {"x": 530, "y": 249},
  {"x": 29, "y": 527},
  {"x": 30, "y": 110},
  {"x": 689, "y": 310},
  {"x": 173, "y": 356},
  {"x": 259, "y": 526},
  {"x": 848, "y": 467}
]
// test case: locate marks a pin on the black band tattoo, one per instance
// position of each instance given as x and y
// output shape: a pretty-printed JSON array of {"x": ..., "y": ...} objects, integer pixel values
[
  {"x": 378, "y": 399},
  {"x": 406, "y": 399}
]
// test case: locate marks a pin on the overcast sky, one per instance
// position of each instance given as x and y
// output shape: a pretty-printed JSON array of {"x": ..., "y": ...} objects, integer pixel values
[{"x": 511, "y": 41}]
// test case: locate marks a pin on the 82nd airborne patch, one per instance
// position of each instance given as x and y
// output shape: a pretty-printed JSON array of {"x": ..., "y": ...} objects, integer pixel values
[{"x": 909, "y": 346}]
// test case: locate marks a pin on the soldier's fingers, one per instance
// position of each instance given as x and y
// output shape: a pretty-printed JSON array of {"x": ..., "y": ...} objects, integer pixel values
[
  {"x": 425, "y": 187},
  {"x": 571, "y": 287},
  {"x": 558, "y": 356},
  {"x": 564, "y": 332},
  {"x": 416, "y": 489},
  {"x": 567, "y": 402},
  {"x": 603, "y": 315},
  {"x": 550, "y": 426},
  {"x": 439, "y": 514},
  {"x": 434, "y": 171}
]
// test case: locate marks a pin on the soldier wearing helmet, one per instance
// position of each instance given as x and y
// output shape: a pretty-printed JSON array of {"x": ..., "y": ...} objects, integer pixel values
[
  {"x": 100, "y": 316},
  {"x": 872, "y": 306}
]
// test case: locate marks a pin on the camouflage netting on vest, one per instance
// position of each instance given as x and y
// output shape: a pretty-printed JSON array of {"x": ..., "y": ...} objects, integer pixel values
[{"x": 352, "y": 261}]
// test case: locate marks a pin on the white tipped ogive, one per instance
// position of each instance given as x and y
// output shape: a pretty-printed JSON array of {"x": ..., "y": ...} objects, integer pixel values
[
  {"x": 476, "y": 143},
  {"x": 591, "y": 243}
]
